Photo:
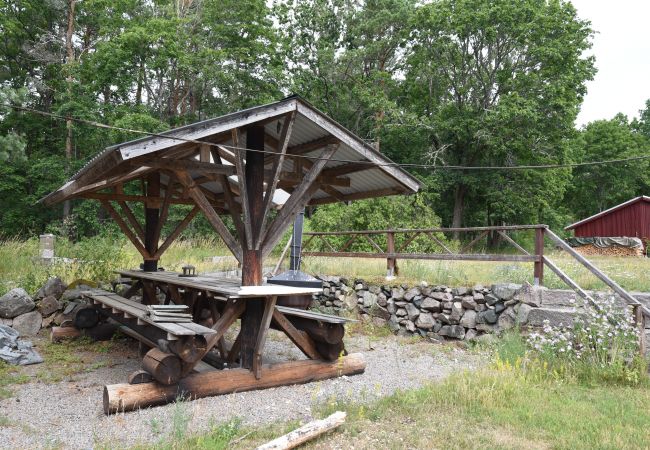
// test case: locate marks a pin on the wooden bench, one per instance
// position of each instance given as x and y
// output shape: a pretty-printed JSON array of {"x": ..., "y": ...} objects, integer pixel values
[
  {"x": 134, "y": 310},
  {"x": 313, "y": 315}
]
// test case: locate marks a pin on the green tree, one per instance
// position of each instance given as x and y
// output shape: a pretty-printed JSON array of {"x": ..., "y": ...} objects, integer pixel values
[
  {"x": 595, "y": 188},
  {"x": 497, "y": 84}
]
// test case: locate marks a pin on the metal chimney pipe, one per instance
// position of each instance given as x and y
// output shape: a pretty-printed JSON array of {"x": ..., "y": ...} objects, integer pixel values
[{"x": 296, "y": 241}]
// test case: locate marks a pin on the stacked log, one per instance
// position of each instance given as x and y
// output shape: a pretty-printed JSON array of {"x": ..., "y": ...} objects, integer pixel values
[{"x": 614, "y": 250}]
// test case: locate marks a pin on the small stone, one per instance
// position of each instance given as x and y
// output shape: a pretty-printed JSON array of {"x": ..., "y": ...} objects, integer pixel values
[
  {"x": 412, "y": 311},
  {"x": 469, "y": 319},
  {"x": 6, "y": 322},
  {"x": 430, "y": 304},
  {"x": 48, "y": 321},
  {"x": 452, "y": 331},
  {"x": 481, "y": 307},
  {"x": 411, "y": 293},
  {"x": 350, "y": 301},
  {"x": 468, "y": 302},
  {"x": 378, "y": 321},
  {"x": 48, "y": 306},
  {"x": 53, "y": 286},
  {"x": 442, "y": 296},
  {"x": 401, "y": 312},
  {"x": 381, "y": 299},
  {"x": 499, "y": 307},
  {"x": 460, "y": 291},
  {"x": 444, "y": 318},
  {"x": 358, "y": 287},
  {"x": 456, "y": 311},
  {"x": 15, "y": 302},
  {"x": 378, "y": 311},
  {"x": 486, "y": 327},
  {"x": 375, "y": 289},
  {"x": 338, "y": 303},
  {"x": 390, "y": 306},
  {"x": 490, "y": 316},
  {"x": 417, "y": 301},
  {"x": 470, "y": 335},
  {"x": 478, "y": 297},
  {"x": 506, "y": 322},
  {"x": 326, "y": 291},
  {"x": 410, "y": 326},
  {"x": 425, "y": 321},
  {"x": 397, "y": 293},
  {"x": 28, "y": 324},
  {"x": 369, "y": 299},
  {"x": 393, "y": 324},
  {"x": 522, "y": 313},
  {"x": 530, "y": 295},
  {"x": 490, "y": 299},
  {"x": 505, "y": 291},
  {"x": 447, "y": 305}
]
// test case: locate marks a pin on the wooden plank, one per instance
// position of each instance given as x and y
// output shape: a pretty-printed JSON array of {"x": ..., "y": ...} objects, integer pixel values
[
  {"x": 428, "y": 256},
  {"x": 177, "y": 231},
  {"x": 439, "y": 242},
  {"x": 512, "y": 242},
  {"x": 233, "y": 207},
  {"x": 313, "y": 315},
  {"x": 567, "y": 279},
  {"x": 193, "y": 165},
  {"x": 126, "y": 397},
  {"x": 359, "y": 196},
  {"x": 473, "y": 242},
  {"x": 269, "y": 306},
  {"x": 125, "y": 229},
  {"x": 131, "y": 198},
  {"x": 296, "y": 201},
  {"x": 281, "y": 150},
  {"x": 164, "y": 212}
]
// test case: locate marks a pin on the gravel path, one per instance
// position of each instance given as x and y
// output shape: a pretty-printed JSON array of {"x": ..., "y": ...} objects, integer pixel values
[{"x": 69, "y": 414}]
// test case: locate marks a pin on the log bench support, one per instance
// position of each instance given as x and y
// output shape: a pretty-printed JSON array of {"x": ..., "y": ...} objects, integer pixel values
[{"x": 128, "y": 397}]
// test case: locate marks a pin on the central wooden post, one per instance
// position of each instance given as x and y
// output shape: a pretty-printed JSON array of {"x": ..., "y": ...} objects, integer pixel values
[
  {"x": 151, "y": 217},
  {"x": 251, "y": 258}
]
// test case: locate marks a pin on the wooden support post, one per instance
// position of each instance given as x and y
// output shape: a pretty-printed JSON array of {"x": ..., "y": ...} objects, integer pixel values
[
  {"x": 391, "y": 263},
  {"x": 251, "y": 321},
  {"x": 151, "y": 217},
  {"x": 640, "y": 320},
  {"x": 128, "y": 397},
  {"x": 538, "y": 275}
]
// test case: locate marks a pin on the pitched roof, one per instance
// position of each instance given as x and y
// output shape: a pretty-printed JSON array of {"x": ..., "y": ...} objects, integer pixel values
[
  {"x": 312, "y": 130},
  {"x": 608, "y": 211}
]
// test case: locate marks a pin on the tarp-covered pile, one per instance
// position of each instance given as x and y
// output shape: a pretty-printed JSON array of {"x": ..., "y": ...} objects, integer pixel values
[{"x": 607, "y": 246}]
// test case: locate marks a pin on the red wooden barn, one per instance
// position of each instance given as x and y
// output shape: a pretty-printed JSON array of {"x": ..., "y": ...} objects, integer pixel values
[{"x": 629, "y": 219}]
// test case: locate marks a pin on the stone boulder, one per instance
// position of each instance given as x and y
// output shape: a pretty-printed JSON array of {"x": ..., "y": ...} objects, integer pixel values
[
  {"x": 469, "y": 319},
  {"x": 369, "y": 299},
  {"x": 15, "y": 302},
  {"x": 412, "y": 311},
  {"x": 430, "y": 304},
  {"x": 468, "y": 302},
  {"x": 54, "y": 287},
  {"x": 28, "y": 324},
  {"x": 48, "y": 306},
  {"x": 505, "y": 291}
]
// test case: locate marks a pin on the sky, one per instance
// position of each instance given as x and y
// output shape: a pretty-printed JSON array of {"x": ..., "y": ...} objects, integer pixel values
[{"x": 622, "y": 50}]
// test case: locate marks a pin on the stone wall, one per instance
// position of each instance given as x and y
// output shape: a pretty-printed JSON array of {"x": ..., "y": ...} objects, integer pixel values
[
  {"x": 434, "y": 311},
  {"x": 452, "y": 313}
]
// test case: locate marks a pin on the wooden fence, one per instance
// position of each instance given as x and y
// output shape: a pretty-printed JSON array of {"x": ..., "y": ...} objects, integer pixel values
[{"x": 392, "y": 245}]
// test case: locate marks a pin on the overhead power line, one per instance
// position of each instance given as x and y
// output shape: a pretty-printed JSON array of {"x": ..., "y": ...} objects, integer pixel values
[{"x": 315, "y": 158}]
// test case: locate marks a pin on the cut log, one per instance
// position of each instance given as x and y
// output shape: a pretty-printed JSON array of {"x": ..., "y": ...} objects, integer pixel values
[
  {"x": 127, "y": 397},
  {"x": 189, "y": 348},
  {"x": 328, "y": 333},
  {"x": 139, "y": 377},
  {"x": 59, "y": 333},
  {"x": 102, "y": 332},
  {"x": 164, "y": 367},
  {"x": 305, "y": 433},
  {"x": 85, "y": 317}
]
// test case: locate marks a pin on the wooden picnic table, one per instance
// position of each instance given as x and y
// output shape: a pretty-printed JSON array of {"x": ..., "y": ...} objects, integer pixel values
[{"x": 177, "y": 349}]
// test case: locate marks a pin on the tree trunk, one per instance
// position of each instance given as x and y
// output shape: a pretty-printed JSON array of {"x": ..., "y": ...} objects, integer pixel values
[
  {"x": 459, "y": 206},
  {"x": 68, "y": 123}
]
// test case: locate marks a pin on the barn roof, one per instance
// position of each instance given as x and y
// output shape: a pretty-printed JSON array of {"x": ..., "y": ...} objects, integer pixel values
[
  {"x": 641, "y": 198},
  {"x": 370, "y": 173}
]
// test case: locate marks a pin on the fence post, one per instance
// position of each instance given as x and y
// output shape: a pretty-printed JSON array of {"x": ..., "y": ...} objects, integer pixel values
[
  {"x": 391, "y": 263},
  {"x": 538, "y": 274},
  {"x": 639, "y": 319}
]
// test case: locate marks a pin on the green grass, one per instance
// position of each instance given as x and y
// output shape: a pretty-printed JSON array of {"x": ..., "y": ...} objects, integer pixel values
[{"x": 10, "y": 375}]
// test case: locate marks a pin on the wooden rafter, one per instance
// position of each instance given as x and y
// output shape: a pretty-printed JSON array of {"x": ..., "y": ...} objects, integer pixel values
[
  {"x": 125, "y": 229},
  {"x": 202, "y": 202},
  {"x": 240, "y": 154},
  {"x": 281, "y": 149},
  {"x": 164, "y": 211},
  {"x": 296, "y": 201},
  {"x": 197, "y": 166},
  {"x": 177, "y": 231},
  {"x": 139, "y": 231},
  {"x": 358, "y": 196},
  {"x": 229, "y": 197}
]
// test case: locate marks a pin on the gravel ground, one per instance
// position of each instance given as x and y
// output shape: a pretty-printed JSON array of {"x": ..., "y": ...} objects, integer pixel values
[{"x": 69, "y": 414}]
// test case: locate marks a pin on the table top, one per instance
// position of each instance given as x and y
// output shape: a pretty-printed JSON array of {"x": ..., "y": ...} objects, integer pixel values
[{"x": 228, "y": 287}]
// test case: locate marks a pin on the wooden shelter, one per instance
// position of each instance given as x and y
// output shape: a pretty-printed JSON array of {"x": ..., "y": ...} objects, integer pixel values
[{"x": 281, "y": 156}]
